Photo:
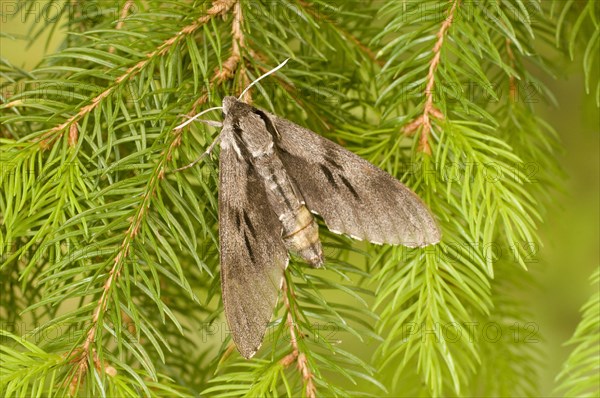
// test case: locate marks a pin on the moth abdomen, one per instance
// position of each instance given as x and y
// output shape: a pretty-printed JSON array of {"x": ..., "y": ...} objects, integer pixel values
[{"x": 301, "y": 235}]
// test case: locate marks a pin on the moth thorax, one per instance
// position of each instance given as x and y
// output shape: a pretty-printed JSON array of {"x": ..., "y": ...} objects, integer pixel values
[{"x": 301, "y": 235}]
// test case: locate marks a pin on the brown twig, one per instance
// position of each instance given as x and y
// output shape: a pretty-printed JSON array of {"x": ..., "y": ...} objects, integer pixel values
[
  {"x": 82, "y": 368},
  {"x": 219, "y": 7},
  {"x": 296, "y": 355},
  {"x": 73, "y": 135},
  {"x": 512, "y": 86},
  {"x": 225, "y": 73},
  {"x": 237, "y": 44},
  {"x": 429, "y": 110},
  {"x": 124, "y": 12},
  {"x": 83, "y": 353},
  {"x": 221, "y": 75}
]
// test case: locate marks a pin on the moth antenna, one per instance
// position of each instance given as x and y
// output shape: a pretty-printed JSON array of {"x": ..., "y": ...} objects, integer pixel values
[
  {"x": 213, "y": 123},
  {"x": 182, "y": 125},
  {"x": 275, "y": 69}
]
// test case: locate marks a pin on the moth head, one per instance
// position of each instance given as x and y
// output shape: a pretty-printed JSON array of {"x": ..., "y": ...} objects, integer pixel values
[{"x": 228, "y": 103}]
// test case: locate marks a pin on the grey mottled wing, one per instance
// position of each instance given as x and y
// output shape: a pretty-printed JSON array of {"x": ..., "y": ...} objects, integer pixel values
[
  {"x": 253, "y": 256},
  {"x": 352, "y": 195}
]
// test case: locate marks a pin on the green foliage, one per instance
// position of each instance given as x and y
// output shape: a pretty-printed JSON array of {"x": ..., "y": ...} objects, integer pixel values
[
  {"x": 319, "y": 322},
  {"x": 508, "y": 338},
  {"x": 109, "y": 259},
  {"x": 579, "y": 25},
  {"x": 579, "y": 374}
]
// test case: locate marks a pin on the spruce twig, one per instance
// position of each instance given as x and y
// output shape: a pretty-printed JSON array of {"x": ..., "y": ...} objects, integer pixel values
[
  {"x": 423, "y": 122},
  {"x": 296, "y": 355},
  {"x": 219, "y": 7}
]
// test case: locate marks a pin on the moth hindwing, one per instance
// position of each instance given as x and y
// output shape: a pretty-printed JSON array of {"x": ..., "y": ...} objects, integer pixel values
[{"x": 273, "y": 175}]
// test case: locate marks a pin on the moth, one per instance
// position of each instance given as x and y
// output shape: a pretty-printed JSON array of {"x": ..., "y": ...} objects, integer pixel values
[{"x": 274, "y": 177}]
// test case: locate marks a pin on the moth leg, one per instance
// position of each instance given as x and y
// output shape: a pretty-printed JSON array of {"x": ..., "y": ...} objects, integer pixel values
[{"x": 206, "y": 153}]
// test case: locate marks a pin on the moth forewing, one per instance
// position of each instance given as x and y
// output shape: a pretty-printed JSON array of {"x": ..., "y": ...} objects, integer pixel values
[
  {"x": 273, "y": 174},
  {"x": 253, "y": 256},
  {"x": 353, "y": 196}
]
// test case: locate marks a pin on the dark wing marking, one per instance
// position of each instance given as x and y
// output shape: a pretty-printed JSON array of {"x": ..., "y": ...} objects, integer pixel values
[
  {"x": 352, "y": 195},
  {"x": 253, "y": 256}
]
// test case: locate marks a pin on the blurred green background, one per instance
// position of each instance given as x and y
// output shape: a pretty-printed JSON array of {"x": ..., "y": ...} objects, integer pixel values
[{"x": 571, "y": 234}]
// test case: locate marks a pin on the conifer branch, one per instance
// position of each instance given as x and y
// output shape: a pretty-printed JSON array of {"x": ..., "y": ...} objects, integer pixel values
[
  {"x": 296, "y": 355},
  {"x": 159, "y": 172},
  {"x": 227, "y": 71},
  {"x": 219, "y": 7},
  {"x": 237, "y": 44},
  {"x": 429, "y": 110},
  {"x": 113, "y": 276},
  {"x": 151, "y": 187},
  {"x": 347, "y": 35}
]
